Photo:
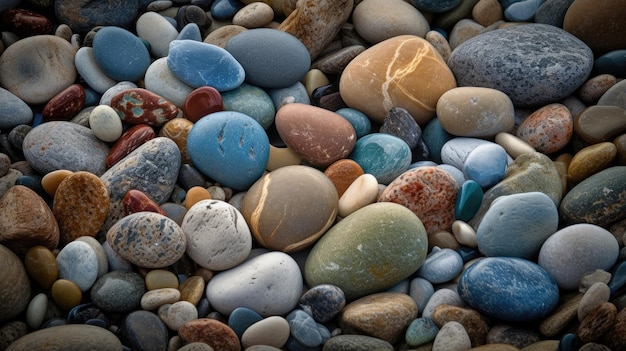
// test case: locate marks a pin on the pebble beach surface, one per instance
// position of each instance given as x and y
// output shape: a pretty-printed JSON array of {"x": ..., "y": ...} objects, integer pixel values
[{"x": 330, "y": 175}]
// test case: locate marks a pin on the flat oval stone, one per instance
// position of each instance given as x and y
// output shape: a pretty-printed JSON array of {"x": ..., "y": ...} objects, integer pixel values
[
  {"x": 212, "y": 332},
  {"x": 304, "y": 332},
  {"x": 376, "y": 80},
  {"x": 217, "y": 235},
  {"x": 81, "y": 204},
  {"x": 144, "y": 330},
  {"x": 233, "y": 139},
  {"x": 362, "y": 192},
  {"x": 330, "y": 137},
  {"x": 66, "y": 337},
  {"x": 361, "y": 124},
  {"x": 577, "y": 250},
  {"x": 597, "y": 294},
  {"x": 203, "y": 101},
  {"x": 421, "y": 331},
  {"x": 14, "y": 285},
  {"x": 160, "y": 80},
  {"x": 382, "y": 155},
  {"x": 105, "y": 123},
  {"x": 486, "y": 165},
  {"x": 600, "y": 123},
  {"x": 254, "y": 15},
  {"x": 591, "y": 91},
  {"x": 241, "y": 318},
  {"x": 534, "y": 76},
  {"x": 64, "y": 145},
  {"x": 271, "y": 331},
  {"x": 370, "y": 20},
  {"x": 157, "y": 31},
  {"x": 41, "y": 265},
  {"x": 199, "y": 64},
  {"x": 475, "y": 112},
  {"x": 114, "y": 45},
  {"x": 277, "y": 221},
  {"x": 323, "y": 301},
  {"x": 508, "y": 288},
  {"x": 153, "y": 299},
  {"x": 78, "y": 263},
  {"x": 141, "y": 106},
  {"x": 275, "y": 272},
  {"x": 65, "y": 105},
  {"x": 26, "y": 22},
  {"x": 548, "y": 129},
  {"x": 137, "y": 201},
  {"x": 90, "y": 72},
  {"x": 473, "y": 322},
  {"x": 178, "y": 129},
  {"x": 517, "y": 225},
  {"x": 440, "y": 266},
  {"x": 118, "y": 291},
  {"x": 590, "y": 160},
  {"x": 429, "y": 192},
  {"x": 339, "y": 259},
  {"x": 24, "y": 68},
  {"x": 596, "y": 200},
  {"x": 252, "y": 101},
  {"x": 179, "y": 313},
  {"x": 602, "y": 29},
  {"x": 131, "y": 139},
  {"x": 147, "y": 239},
  {"x": 14, "y": 111},
  {"x": 271, "y": 58},
  {"x": 161, "y": 278},
  {"x": 468, "y": 200}
]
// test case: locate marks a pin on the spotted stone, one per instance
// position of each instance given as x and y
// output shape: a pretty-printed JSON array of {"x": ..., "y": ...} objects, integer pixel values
[{"x": 139, "y": 106}]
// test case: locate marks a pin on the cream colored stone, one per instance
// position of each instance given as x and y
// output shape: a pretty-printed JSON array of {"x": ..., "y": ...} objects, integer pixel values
[
  {"x": 220, "y": 36},
  {"x": 153, "y": 299},
  {"x": 464, "y": 30},
  {"x": 362, "y": 192},
  {"x": 281, "y": 157},
  {"x": 314, "y": 79},
  {"x": 513, "y": 145},
  {"x": 378, "y": 20},
  {"x": 254, "y": 15},
  {"x": 440, "y": 43},
  {"x": 271, "y": 331},
  {"x": 464, "y": 233}
]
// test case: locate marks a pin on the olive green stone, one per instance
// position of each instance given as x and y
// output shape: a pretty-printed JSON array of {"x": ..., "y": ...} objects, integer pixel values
[{"x": 369, "y": 251}]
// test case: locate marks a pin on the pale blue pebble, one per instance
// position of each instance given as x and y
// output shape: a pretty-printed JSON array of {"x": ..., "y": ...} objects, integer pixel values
[
  {"x": 120, "y": 54},
  {"x": 225, "y": 9},
  {"x": 486, "y": 165},
  {"x": 78, "y": 262},
  {"x": 90, "y": 72},
  {"x": 92, "y": 97},
  {"x": 13, "y": 111},
  {"x": 294, "y": 93},
  {"x": 190, "y": 31},
  {"x": 115, "y": 261},
  {"x": 304, "y": 328},
  {"x": 522, "y": 11},
  {"x": 456, "y": 173},
  {"x": 421, "y": 331},
  {"x": 440, "y": 266},
  {"x": 442, "y": 296},
  {"x": 424, "y": 163},
  {"x": 360, "y": 122},
  {"x": 421, "y": 291},
  {"x": 400, "y": 287},
  {"x": 455, "y": 151}
]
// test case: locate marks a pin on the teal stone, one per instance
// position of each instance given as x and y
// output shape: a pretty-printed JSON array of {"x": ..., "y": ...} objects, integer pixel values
[
  {"x": 599, "y": 199},
  {"x": 435, "y": 137},
  {"x": 359, "y": 120},
  {"x": 241, "y": 318},
  {"x": 421, "y": 331},
  {"x": 613, "y": 62},
  {"x": 522, "y": 11},
  {"x": 468, "y": 200},
  {"x": 369, "y": 251},
  {"x": 570, "y": 342},
  {"x": 252, "y": 101},
  {"x": 382, "y": 155}
]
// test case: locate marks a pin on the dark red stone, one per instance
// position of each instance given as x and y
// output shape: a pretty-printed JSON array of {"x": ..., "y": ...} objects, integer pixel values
[
  {"x": 65, "y": 105},
  {"x": 26, "y": 22},
  {"x": 216, "y": 334},
  {"x": 137, "y": 201},
  {"x": 141, "y": 106},
  {"x": 129, "y": 141},
  {"x": 201, "y": 102}
]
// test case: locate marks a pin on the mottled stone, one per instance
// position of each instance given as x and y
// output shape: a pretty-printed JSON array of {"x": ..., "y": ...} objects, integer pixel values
[
  {"x": 549, "y": 129},
  {"x": 591, "y": 91},
  {"x": 379, "y": 20},
  {"x": 380, "y": 79},
  {"x": 590, "y": 160},
  {"x": 14, "y": 285},
  {"x": 178, "y": 130},
  {"x": 357, "y": 343},
  {"x": 597, "y": 294},
  {"x": 141, "y": 106},
  {"x": 597, "y": 23},
  {"x": 487, "y": 12},
  {"x": 118, "y": 291},
  {"x": 342, "y": 173},
  {"x": 510, "y": 335},
  {"x": 83, "y": 15},
  {"x": 105, "y": 123},
  {"x": 323, "y": 302},
  {"x": 429, "y": 192},
  {"x": 365, "y": 261},
  {"x": 131, "y": 139},
  {"x": 383, "y": 315},
  {"x": 597, "y": 322},
  {"x": 554, "y": 323},
  {"x": 68, "y": 337},
  {"x": 27, "y": 221},
  {"x": 212, "y": 332},
  {"x": 472, "y": 321},
  {"x": 615, "y": 337},
  {"x": 452, "y": 336},
  {"x": 382, "y": 155},
  {"x": 11, "y": 331},
  {"x": 137, "y": 201}
]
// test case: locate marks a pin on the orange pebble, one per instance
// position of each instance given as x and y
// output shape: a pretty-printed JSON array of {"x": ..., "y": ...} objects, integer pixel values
[
  {"x": 195, "y": 195},
  {"x": 50, "y": 182}
]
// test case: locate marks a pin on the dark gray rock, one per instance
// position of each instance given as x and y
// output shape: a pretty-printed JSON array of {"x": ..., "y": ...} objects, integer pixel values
[{"x": 552, "y": 12}]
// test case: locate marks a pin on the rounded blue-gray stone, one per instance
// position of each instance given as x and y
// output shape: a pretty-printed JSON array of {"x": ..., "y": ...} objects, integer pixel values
[
  {"x": 252, "y": 101},
  {"x": 534, "y": 64},
  {"x": 120, "y": 54},
  {"x": 118, "y": 291}
]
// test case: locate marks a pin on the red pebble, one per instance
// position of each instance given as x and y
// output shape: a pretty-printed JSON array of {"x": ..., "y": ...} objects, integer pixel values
[
  {"x": 201, "y": 102},
  {"x": 65, "y": 105},
  {"x": 26, "y": 22},
  {"x": 212, "y": 332},
  {"x": 141, "y": 106},
  {"x": 129, "y": 141},
  {"x": 137, "y": 201}
]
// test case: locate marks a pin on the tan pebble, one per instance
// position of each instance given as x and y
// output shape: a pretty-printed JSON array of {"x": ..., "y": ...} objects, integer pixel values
[
  {"x": 463, "y": 30},
  {"x": 254, "y": 15},
  {"x": 487, "y": 12},
  {"x": 543, "y": 345},
  {"x": 561, "y": 163},
  {"x": 41, "y": 265},
  {"x": 178, "y": 129},
  {"x": 378, "y": 20},
  {"x": 600, "y": 123},
  {"x": 559, "y": 318},
  {"x": 195, "y": 195},
  {"x": 597, "y": 322},
  {"x": 513, "y": 145},
  {"x": 64, "y": 31},
  {"x": 472, "y": 321},
  {"x": 205, "y": 273},
  {"x": 153, "y": 299},
  {"x": 161, "y": 278},
  {"x": 363, "y": 191},
  {"x": 192, "y": 289},
  {"x": 66, "y": 294},
  {"x": 440, "y": 43},
  {"x": 548, "y": 129},
  {"x": 222, "y": 35},
  {"x": 442, "y": 239},
  {"x": 314, "y": 79},
  {"x": 281, "y": 157},
  {"x": 270, "y": 331},
  {"x": 588, "y": 280},
  {"x": 591, "y": 91},
  {"x": 590, "y": 161},
  {"x": 597, "y": 294},
  {"x": 464, "y": 233}
]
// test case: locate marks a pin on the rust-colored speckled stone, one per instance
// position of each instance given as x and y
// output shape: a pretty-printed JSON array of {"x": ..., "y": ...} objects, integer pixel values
[
  {"x": 342, "y": 173},
  {"x": 129, "y": 141},
  {"x": 615, "y": 337},
  {"x": 178, "y": 130},
  {"x": 139, "y": 106},
  {"x": 41, "y": 265},
  {"x": 26, "y": 220},
  {"x": 548, "y": 129},
  {"x": 81, "y": 204},
  {"x": 201, "y": 102},
  {"x": 65, "y": 105},
  {"x": 597, "y": 322},
  {"x": 137, "y": 201},
  {"x": 212, "y": 332},
  {"x": 471, "y": 320},
  {"x": 26, "y": 22},
  {"x": 429, "y": 192}
]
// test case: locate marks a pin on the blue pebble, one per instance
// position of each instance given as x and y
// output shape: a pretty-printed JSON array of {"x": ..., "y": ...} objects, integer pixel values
[
  {"x": 618, "y": 280},
  {"x": 422, "y": 164},
  {"x": 440, "y": 266},
  {"x": 31, "y": 181},
  {"x": 53, "y": 322},
  {"x": 252, "y": 101},
  {"x": 435, "y": 137},
  {"x": 400, "y": 287},
  {"x": 202, "y": 64},
  {"x": 522, "y": 11},
  {"x": 241, "y": 318},
  {"x": 468, "y": 200},
  {"x": 296, "y": 93},
  {"x": 486, "y": 165},
  {"x": 229, "y": 147},
  {"x": 613, "y": 62},
  {"x": 456, "y": 173},
  {"x": 189, "y": 176},
  {"x": 190, "y": 31},
  {"x": 421, "y": 331},
  {"x": 270, "y": 57},
  {"x": 81, "y": 313},
  {"x": 420, "y": 291},
  {"x": 204, "y": 307},
  {"x": 92, "y": 97},
  {"x": 225, "y": 9},
  {"x": 98, "y": 322},
  {"x": 570, "y": 342},
  {"x": 120, "y": 54},
  {"x": 468, "y": 253},
  {"x": 304, "y": 328},
  {"x": 436, "y": 6},
  {"x": 360, "y": 122},
  {"x": 37, "y": 119},
  {"x": 382, "y": 155},
  {"x": 506, "y": 3},
  {"x": 323, "y": 302},
  {"x": 508, "y": 288}
]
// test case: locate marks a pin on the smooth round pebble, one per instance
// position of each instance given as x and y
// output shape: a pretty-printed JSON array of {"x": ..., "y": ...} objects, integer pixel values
[
  {"x": 382, "y": 155},
  {"x": 118, "y": 291},
  {"x": 362, "y": 192},
  {"x": 66, "y": 337},
  {"x": 323, "y": 302},
  {"x": 549, "y": 129},
  {"x": 160, "y": 278},
  {"x": 378, "y": 20},
  {"x": 157, "y": 31},
  {"x": 66, "y": 294},
  {"x": 452, "y": 336},
  {"x": 271, "y": 331},
  {"x": 90, "y": 71},
  {"x": 486, "y": 165},
  {"x": 114, "y": 45},
  {"x": 160, "y": 80},
  {"x": 78, "y": 262},
  {"x": 440, "y": 265},
  {"x": 14, "y": 285},
  {"x": 143, "y": 330},
  {"x": 442, "y": 296},
  {"x": 179, "y": 313},
  {"x": 597, "y": 294},
  {"x": 254, "y": 15},
  {"x": 153, "y": 299}
]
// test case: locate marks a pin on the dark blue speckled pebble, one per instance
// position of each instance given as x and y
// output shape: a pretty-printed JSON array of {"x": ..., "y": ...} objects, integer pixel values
[
  {"x": 189, "y": 176},
  {"x": 323, "y": 302}
]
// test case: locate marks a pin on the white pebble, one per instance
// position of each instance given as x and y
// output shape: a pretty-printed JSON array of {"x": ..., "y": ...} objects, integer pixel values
[
  {"x": 105, "y": 123},
  {"x": 272, "y": 331},
  {"x": 452, "y": 337},
  {"x": 180, "y": 313},
  {"x": 363, "y": 191},
  {"x": 464, "y": 233},
  {"x": 36, "y": 310},
  {"x": 153, "y": 299}
]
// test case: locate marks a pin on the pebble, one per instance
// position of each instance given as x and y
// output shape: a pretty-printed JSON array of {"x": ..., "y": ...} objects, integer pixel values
[
  {"x": 15, "y": 286},
  {"x": 468, "y": 200},
  {"x": 362, "y": 192},
  {"x": 473, "y": 322},
  {"x": 68, "y": 336},
  {"x": 513, "y": 145},
  {"x": 597, "y": 294},
  {"x": 14, "y": 111},
  {"x": 304, "y": 330},
  {"x": 90, "y": 71},
  {"x": 487, "y": 12},
  {"x": 371, "y": 20},
  {"x": 453, "y": 337},
  {"x": 118, "y": 291},
  {"x": 192, "y": 289},
  {"x": 339, "y": 259},
  {"x": 356, "y": 342},
  {"x": 78, "y": 262},
  {"x": 41, "y": 265},
  {"x": 290, "y": 227},
  {"x": 141, "y": 106},
  {"x": 254, "y": 15},
  {"x": 600, "y": 123},
  {"x": 153, "y": 299},
  {"x": 323, "y": 302},
  {"x": 271, "y": 331},
  {"x": 113, "y": 45},
  {"x": 549, "y": 129},
  {"x": 590, "y": 160},
  {"x": 506, "y": 334},
  {"x": 176, "y": 129},
  {"x": 179, "y": 313},
  {"x": 597, "y": 322},
  {"x": 212, "y": 332},
  {"x": 160, "y": 80},
  {"x": 64, "y": 105},
  {"x": 157, "y": 31},
  {"x": 252, "y": 101},
  {"x": 555, "y": 323},
  {"x": 343, "y": 173},
  {"x": 382, "y": 155},
  {"x": 598, "y": 30},
  {"x": 517, "y": 53},
  {"x": 464, "y": 30},
  {"x": 241, "y": 318},
  {"x": 143, "y": 330},
  {"x": 421, "y": 331},
  {"x": 612, "y": 63},
  {"x": 160, "y": 278},
  {"x": 66, "y": 294},
  {"x": 486, "y": 165},
  {"x": 105, "y": 123},
  {"x": 591, "y": 91},
  {"x": 440, "y": 266}
]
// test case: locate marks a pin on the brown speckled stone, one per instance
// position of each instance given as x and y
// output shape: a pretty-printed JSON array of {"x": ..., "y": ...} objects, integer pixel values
[
  {"x": 137, "y": 201},
  {"x": 212, "y": 332},
  {"x": 178, "y": 130},
  {"x": 590, "y": 161},
  {"x": 10, "y": 332},
  {"x": 14, "y": 285},
  {"x": 511, "y": 335},
  {"x": 615, "y": 337},
  {"x": 429, "y": 192},
  {"x": 475, "y": 326},
  {"x": 567, "y": 310},
  {"x": 548, "y": 129},
  {"x": 597, "y": 322},
  {"x": 591, "y": 91}
]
